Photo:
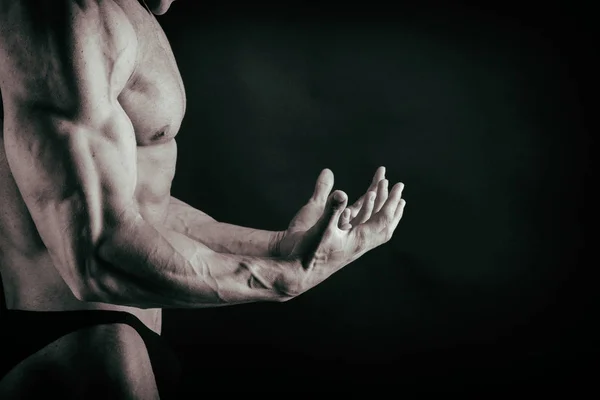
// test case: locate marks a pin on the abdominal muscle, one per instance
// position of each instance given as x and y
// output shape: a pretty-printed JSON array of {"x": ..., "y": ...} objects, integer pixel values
[{"x": 31, "y": 282}]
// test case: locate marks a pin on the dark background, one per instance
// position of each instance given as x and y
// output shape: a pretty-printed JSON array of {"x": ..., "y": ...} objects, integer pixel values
[{"x": 480, "y": 111}]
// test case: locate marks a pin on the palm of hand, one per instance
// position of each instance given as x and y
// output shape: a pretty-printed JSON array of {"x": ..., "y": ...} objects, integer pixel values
[
  {"x": 304, "y": 231},
  {"x": 297, "y": 238},
  {"x": 325, "y": 235}
]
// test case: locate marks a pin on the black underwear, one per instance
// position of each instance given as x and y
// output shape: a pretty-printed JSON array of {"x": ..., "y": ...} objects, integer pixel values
[{"x": 23, "y": 333}]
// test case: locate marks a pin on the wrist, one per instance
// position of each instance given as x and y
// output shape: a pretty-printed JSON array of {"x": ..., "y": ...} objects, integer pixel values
[
  {"x": 274, "y": 249},
  {"x": 292, "y": 280}
]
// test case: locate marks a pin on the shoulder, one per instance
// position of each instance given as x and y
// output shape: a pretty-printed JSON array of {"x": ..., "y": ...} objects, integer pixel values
[
  {"x": 37, "y": 22},
  {"x": 56, "y": 49}
]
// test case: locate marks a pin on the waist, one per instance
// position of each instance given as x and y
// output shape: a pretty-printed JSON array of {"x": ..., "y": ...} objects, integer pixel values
[{"x": 39, "y": 287}]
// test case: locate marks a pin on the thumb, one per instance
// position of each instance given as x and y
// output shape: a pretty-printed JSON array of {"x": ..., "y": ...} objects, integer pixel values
[{"x": 323, "y": 186}]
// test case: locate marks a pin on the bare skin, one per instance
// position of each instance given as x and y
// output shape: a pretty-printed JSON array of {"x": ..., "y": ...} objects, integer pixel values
[{"x": 87, "y": 158}]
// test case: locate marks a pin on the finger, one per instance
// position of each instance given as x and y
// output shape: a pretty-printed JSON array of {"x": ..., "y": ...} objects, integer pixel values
[
  {"x": 393, "y": 201},
  {"x": 323, "y": 186},
  {"x": 345, "y": 220},
  {"x": 382, "y": 195},
  {"x": 377, "y": 177},
  {"x": 335, "y": 206},
  {"x": 366, "y": 210},
  {"x": 398, "y": 214},
  {"x": 355, "y": 208}
]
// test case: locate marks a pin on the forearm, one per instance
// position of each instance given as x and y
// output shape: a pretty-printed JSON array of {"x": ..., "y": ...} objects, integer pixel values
[
  {"x": 219, "y": 236},
  {"x": 146, "y": 267}
]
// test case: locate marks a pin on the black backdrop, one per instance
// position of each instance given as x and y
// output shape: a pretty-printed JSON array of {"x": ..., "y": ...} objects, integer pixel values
[{"x": 478, "y": 111}]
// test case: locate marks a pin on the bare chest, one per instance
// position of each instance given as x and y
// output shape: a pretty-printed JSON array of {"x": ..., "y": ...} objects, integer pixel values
[
  {"x": 154, "y": 97},
  {"x": 154, "y": 100}
]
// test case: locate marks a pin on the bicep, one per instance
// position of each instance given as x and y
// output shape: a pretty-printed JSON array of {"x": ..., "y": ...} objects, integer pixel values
[
  {"x": 71, "y": 150},
  {"x": 75, "y": 181}
]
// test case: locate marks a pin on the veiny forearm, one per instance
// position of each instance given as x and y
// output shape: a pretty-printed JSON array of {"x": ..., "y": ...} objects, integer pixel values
[
  {"x": 146, "y": 267},
  {"x": 219, "y": 236}
]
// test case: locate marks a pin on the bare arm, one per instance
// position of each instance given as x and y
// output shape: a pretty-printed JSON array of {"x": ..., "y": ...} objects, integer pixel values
[
  {"x": 220, "y": 236},
  {"x": 233, "y": 239},
  {"x": 72, "y": 151}
]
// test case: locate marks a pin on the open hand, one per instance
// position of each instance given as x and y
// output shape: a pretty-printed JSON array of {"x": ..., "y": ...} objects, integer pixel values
[
  {"x": 313, "y": 210},
  {"x": 324, "y": 247}
]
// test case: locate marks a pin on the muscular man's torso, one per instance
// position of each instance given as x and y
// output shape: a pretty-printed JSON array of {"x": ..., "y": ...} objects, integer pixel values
[{"x": 154, "y": 100}]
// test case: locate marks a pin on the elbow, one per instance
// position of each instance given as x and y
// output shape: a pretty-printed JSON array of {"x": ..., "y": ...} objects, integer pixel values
[
  {"x": 81, "y": 292},
  {"x": 102, "y": 281},
  {"x": 85, "y": 277},
  {"x": 93, "y": 287},
  {"x": 97, "y": 282},
  {"x": 85, "y": 288}
]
